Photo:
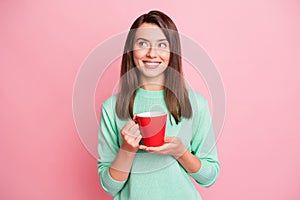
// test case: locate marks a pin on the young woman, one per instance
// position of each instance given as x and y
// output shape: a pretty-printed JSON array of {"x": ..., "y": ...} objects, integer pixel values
[{"x": 151, "y": 80}]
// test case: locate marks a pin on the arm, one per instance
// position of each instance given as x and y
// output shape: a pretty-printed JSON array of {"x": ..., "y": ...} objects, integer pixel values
[
  {"x": 121, "y": 166},
  {"x": 202, "y": 162},
  {"x": 173, "y": 146},
  {"x": 108, "y": 148},
  {"x": 189, "y": 162},
  {"x": 203, "y": 147},
  {"x": 115, "y": 163}
]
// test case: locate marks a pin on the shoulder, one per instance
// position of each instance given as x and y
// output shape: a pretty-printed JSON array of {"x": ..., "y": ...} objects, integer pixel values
[
  {"x": 110, "y": 103},
  {"x": 197, "y": 100}
]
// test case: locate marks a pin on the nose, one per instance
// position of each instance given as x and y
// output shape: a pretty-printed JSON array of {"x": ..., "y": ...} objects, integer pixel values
[{"x": 152, "y": 52}]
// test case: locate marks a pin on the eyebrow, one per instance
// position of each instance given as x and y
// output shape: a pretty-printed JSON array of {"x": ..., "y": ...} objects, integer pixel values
[{"x": 163, "y": 39}]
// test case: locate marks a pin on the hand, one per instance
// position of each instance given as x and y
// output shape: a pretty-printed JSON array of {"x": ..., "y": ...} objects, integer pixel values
[
  {"x": 131, "y": 136},
  {"x": 172, "y": 146}
]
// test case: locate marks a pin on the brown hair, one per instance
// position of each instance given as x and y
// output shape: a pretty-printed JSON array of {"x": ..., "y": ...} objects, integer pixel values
[{"x": 175, "y": 92}]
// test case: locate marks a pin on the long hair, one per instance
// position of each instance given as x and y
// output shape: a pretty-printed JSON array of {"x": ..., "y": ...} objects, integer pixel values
[{"x": 175, "y": 93}]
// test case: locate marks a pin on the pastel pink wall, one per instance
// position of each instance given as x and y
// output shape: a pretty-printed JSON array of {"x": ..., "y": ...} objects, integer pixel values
[{"x": 254, "y": 44}]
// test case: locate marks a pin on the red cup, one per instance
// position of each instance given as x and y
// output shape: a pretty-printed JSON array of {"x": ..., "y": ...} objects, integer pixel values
[{"x": 152, "y": 127}]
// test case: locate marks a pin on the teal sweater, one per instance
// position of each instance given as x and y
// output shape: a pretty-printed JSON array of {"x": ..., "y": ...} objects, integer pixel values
[{"x": 153, "y": 176}]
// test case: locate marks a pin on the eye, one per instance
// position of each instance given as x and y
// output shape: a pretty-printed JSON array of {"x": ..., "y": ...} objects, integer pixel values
[
  {"x": 143, "y": 44},
  {"x": 163, "y": 45}
]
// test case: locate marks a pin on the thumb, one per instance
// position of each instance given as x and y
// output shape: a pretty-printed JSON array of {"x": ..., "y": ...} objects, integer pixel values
[
  {"x": 168, "y": 139},
  {"x": 134, "y": 118}
]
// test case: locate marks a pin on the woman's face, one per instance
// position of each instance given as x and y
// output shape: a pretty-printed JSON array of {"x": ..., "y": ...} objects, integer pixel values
[{"x": 151, "y": 52}]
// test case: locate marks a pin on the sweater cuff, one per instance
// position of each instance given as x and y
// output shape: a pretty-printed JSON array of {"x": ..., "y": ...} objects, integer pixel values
[
  {"x": 109, "y": 184},
  {"x": 204, "y": 175}
]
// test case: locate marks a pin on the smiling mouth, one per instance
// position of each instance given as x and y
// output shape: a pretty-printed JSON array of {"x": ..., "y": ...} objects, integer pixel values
[{"x": 151, "y": 64}]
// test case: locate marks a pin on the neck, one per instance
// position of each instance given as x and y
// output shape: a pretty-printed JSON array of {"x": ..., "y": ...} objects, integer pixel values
[
  {"x": 152, "y": 87},
  {"x": 152, "y": 84}
]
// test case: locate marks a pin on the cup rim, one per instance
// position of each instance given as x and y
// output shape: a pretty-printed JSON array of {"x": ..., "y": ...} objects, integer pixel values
[{"x": 151, "y": 114}]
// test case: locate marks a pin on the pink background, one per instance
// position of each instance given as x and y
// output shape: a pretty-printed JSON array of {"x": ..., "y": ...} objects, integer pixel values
[{"x": 255, "y": 46}]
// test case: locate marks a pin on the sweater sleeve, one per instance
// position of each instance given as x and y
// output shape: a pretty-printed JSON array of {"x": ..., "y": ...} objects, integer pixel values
[
  {"x": 108, "y": 148},
  {"x": 203, "y": 146}
]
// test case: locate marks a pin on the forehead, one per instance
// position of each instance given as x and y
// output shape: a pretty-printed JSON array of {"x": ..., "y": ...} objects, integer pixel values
[{"x": 150, "y": 32}]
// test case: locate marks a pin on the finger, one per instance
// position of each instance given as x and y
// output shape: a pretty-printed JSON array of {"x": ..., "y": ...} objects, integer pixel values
[
  {"x": 146, "y": 148},
  {"x": 133, "y": 129},
  {"x": 127, "y": 126},
  {"x": 155, "y": 149},
  {"x": 130, "y": 140},
  {"x": 124, "y": 130},
  {"x": 125, "y": 137},
  {"x": 138, "y": 138},
  {"x": 124, "y": 133},
  {"x": 168, "y": 139},
  {"x": 134, "y": 118},
  {"x": 135, "y": 134},
  {"x": 142, "y": 147}
]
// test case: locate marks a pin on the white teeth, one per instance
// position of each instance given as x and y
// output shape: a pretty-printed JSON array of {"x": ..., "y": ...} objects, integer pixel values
[{"x": 151, "y": 63}]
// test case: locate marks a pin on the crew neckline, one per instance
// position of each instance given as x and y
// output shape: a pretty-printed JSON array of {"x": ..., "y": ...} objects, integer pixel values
[{"x": 150, "y": 93}]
